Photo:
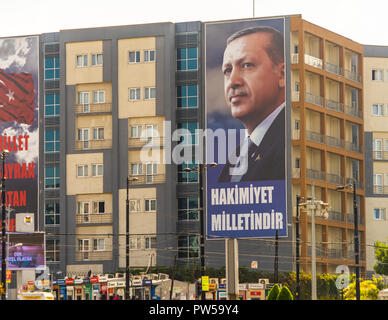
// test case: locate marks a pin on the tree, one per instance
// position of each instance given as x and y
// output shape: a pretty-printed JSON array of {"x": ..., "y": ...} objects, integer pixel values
[
  {"x": 381, "y": 254},
  {"x": 274, "y": 292},
  {"x": 285, "y": 294},
  {"x": 369, "y": 289}
]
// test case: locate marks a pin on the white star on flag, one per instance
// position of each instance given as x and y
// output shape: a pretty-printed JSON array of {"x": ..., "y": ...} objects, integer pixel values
[{"x": 10, "y": 95}]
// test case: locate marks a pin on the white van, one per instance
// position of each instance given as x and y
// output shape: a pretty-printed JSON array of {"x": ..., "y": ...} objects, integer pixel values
[{"x": 37, "y": 295}]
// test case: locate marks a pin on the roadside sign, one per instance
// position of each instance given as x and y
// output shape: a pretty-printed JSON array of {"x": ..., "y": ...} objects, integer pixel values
[{"x": 205, "y": 283}]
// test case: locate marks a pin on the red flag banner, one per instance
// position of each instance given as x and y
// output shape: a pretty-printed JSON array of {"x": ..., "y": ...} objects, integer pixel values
[{"x": 17, "y": 97}]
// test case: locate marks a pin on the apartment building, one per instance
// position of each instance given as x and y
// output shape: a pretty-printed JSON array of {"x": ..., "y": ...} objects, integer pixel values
[
  {"x": 327, "y": 140},
  {"x": 107, "y": 92},
  {"x": 376, "y": 147}
]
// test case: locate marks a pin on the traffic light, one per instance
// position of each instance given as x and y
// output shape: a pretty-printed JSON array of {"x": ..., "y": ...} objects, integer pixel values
[{"x": 198, "y": 290}]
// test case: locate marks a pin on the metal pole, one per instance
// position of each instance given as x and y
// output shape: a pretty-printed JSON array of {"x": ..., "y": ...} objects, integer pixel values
[
  {"x": 3, "y": 233},
  {"x": 356, "y": 243},
  {"x": 201, "y": 221},
  {"x": 127, "y": 245},
  {"x": 276, "y": 265},
  {"x": 297, "y": 248},
  {"x": 313, "y": 256}
]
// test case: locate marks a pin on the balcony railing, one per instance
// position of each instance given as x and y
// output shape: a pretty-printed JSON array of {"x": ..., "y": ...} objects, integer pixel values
[
  {"x": 353, "y": 111},
  {"x": 294, "y": 58},
  {"x": 334, "y": 105},
  {"x": 380, "y": 189},
  {"x": 353, "y": 147},
  {"x": 148, "y": 179},
  {"x": 333, "y": 68},
  {"x": 335, "y": 179},
  {"x": 313, "y": 61},
  {"x": 93, "y": 144},
  {"x": 334, "y": 142},
  {"x": 295, "y": 96},
  {"x": 335, "y": 253},
  {"x": 93, "y": 108},
  {"x": 141, "y": 142},
  {"x": 336, "y": 216},
  {"x": 351, "y": 254},
  {"x": 315, "y": 174},
  {"x": 350, "y": 218},
  {"x": 320, "y": 251},
  {"x": 380, "y": 155},
  {"x": 94, "y": 218},
  {"x": 315, "y": 137},
  {"x": 351, "y": 75},
  {"x": 313, "y": 99},
  {"x": 359, "y": 184},
  {"x": 295, "y": 134},
  {"x": 93, "y": 255}
]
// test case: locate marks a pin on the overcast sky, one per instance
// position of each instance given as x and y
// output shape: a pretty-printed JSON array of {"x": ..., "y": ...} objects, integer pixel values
[{"x": 360, "y": 20}]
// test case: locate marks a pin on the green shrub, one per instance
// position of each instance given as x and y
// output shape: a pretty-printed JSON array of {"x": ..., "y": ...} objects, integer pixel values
[
  {"x": 274, "y": 292},
  {"x": 285, "y": 294}
]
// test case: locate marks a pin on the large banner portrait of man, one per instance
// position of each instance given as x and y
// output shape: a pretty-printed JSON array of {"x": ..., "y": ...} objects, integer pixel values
[{"x": 245, "y": 88}]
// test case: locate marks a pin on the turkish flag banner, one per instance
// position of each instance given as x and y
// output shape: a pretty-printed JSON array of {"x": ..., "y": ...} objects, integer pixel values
[{"x": 17, "y": 97}]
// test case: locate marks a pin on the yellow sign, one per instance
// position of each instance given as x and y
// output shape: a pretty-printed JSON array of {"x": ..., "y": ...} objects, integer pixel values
[
  {"x": 205, "y": 283},
  {"x": 8, "y": 276}
]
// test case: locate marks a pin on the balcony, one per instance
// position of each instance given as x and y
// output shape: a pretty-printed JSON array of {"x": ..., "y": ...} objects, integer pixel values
[
  {"x": 93, "y": 108},
  {"x": 334, "y": 105},
  {"x": 295, "y": 134},
  {"x": 315, "y": 174},
  {"x": 141, "y": 142},
  {"x": 334, "y": 142},
  {"x": 320, "y": 250},
  {"x": 380, "y": 189},
  {"x": 335, "y": 179},
  {"x": 93, "y": 255},
  {"x": 335, "y": 253},
  {"x": 353, "y": 111},
  {"x": 351, "y": 75},
  {"x": 333, "y": 68},
  {"x": 294, "y": 58},
  {"x": 350, "y": 218},
  {"x": 315, "y": 137},
  {"x": 353, "y": 147},
  {"x": 380, "y": 155},
  {"x": 313, "y": 61},
  {"x": 148, "y": 179},
  {"x": 295, "y": 96},
  {"x": 336, "y": 216},
  {"x": 296, "y": 173},
  {"x": 95, "y": 218},
  {"x": 93, "y": 144},
  {"x": 313, "y": 99},
  {"x": 359, "y": 184}
]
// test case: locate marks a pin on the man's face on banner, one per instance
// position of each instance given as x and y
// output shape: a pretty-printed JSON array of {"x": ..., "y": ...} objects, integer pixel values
[{"x": 253, "y": 84}]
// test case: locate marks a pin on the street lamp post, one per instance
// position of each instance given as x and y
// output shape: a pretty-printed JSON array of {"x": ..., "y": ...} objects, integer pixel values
[
  {"x": 3, "y": 155},
  {"x": 356, "y": 236},
  {"x": 127, "y": 240},
  {"x": 317, "y": 207},
  {"x": 200, "y": 169}
]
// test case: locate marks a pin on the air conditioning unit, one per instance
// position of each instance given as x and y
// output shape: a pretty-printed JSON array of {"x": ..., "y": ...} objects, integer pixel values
[{"x": 264, "y": 281}]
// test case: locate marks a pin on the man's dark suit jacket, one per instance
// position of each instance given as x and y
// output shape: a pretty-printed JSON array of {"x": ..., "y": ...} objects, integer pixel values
[{"x": 268, "y": 159}]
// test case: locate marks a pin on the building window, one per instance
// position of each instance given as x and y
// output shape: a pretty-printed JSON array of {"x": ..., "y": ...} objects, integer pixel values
[
  {"x": 377, "y": 110},
  {"x": 98, "y": 133},
  {"x": 51, "y": 140},
  {"x": 97, "y": 59},
  {"x": 98, "y": 244},
  {"x": 150, "y": 243},
  {"x": 134, "y": 94},
  {"x": 189, "y": 135},
  {"x": 149, "y": 55},
  {"x": 378, "y": 183},
  {"x": 379, "y": 214},
  {"x": 136, "y": 131},
  {"x": 134, "y": 57},
  {"x": 82, "y": 60},
  {"x": 98, "y": 96},
  {"x": 187, "y": 59},
  {"x": 83, "y": 135},
  {"x": 51, "y": 177},
  {"x": 136, "y": 169},
  {"x": 188, "y": 247},
  {"x": 378, "y": 149},
  {"x": 135, "y": 243},
  {"x": 151, "y": 170},
  {"x": 83, "y": 207},
  {"x": 51, "y": 213},
  {"x": 84, "y": 101},
  {"x": 51, "y": 68},
  {"x": 99, "y": 207},
  {"x": 82, "y": 171},
  {"x": 52, "y": 250},
  {"x": 188, "y": 208},
  {"x": 377, "y": 74},
  {"x": 187, "y": 177},
  {"x": 149, "y": 93},
  {"x": 97, "y": 170},
  {"x": 187, "y": 96},
  {"x": 150, "y": 205},
  {"x": 51, "y": 104},
  {"x": 134, "y": 205}
]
